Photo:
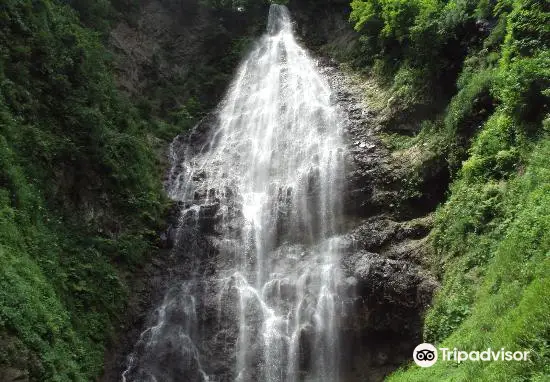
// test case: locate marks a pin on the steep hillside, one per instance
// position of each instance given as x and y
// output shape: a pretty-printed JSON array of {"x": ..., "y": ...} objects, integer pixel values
[
  {"x": 466, "y": 82},
  {"x": 81, "y": 199},
  {"x": 471, "y": 82},
  {"x": 449, "y": 103}
]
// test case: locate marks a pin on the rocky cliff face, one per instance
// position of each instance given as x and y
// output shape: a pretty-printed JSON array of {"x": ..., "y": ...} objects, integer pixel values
[
  {"x": 386, "y": 287},
  {"x": 169, "y": 52},
  {"x": 387, "y": 241}
]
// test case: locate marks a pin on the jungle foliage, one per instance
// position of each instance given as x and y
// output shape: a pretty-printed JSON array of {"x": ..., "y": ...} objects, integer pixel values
[
  {"x": 490, "y": 61},
  {"x": 80, "y": 196}
]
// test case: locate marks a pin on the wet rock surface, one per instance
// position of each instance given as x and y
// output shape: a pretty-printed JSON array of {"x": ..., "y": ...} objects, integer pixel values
[
  {"x": 385, "y": 244},
  {"x": 384, "y": 291},
  {"x": 163, "y": 46}
]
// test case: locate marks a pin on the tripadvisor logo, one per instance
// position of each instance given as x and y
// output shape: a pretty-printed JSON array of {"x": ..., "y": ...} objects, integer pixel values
[{"x": 426, "y": 355}]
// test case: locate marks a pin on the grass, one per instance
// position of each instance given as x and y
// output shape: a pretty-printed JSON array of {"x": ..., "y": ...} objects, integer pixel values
[
  {"x": 495, "y": 287},
  {"x": 490, "y": 245}
]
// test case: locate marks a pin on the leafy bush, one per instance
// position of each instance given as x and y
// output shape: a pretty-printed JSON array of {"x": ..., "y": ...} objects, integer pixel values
[
  {"x": 528, "y": 29},
  {"x": 425, "y": 34},
  {"x": 79, "y": 192},
  {"x": 466, "y": 113},
  {"x": 491, "y": 242},
  {"x": 524, "y": 88},
  {"x": 495, "y": 286}
]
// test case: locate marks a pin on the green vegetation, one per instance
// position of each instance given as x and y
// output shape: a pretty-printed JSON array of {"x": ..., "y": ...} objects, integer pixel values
[
  {"x": 81, "y": 200},
  {"x": 490, "y": 62},
  {"x": 493, "y": 239},
  {"x": 80, "y": 197}
]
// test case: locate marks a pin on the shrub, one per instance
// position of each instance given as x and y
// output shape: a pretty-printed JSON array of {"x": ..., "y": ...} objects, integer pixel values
[
  {"x": 77, "y": 179},
  {"x": 524, "y": 88}
]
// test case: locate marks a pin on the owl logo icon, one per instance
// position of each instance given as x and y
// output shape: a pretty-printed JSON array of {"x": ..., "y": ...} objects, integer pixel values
[{"x": 425, "y": 355}]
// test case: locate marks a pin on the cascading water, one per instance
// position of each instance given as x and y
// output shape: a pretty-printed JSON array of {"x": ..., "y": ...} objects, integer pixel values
[{"x": 270, "y": 178}]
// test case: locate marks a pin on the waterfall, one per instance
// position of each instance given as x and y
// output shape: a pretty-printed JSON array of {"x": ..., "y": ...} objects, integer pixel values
[{"x": 269, "y": 182}]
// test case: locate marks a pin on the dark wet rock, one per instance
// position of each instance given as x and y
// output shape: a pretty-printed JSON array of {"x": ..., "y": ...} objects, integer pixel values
[
  {"x": 306, "y": 343},
  {"x": 379, "y": 181},
  {"x": 382, "y": 280},
  {"x": 383, "y": 235},
  {"x": 173, "y": 358},
  {"x": 384, "y": 323},
  {"x": 384, "y": 291},
  {"x": 382, "y": 253},
  {"x": 161, "y": 42},
  {"x": 208, "y": 217}
]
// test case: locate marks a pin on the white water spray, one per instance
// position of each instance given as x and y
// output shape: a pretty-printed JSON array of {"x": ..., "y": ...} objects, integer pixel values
[{"x": 274, "y": 168}]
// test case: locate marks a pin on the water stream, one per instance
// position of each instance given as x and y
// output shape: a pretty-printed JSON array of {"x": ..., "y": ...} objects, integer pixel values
[{"x": 270, "y": 176}]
